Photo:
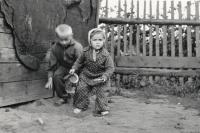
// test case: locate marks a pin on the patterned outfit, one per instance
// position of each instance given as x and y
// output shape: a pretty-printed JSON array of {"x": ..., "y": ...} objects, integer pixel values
[
  {"x": 90, "y": 70},
  {"x": 60, "y": 62}
]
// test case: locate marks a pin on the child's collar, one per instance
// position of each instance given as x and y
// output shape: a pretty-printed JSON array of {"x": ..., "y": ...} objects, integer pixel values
[
  {"x": 103, "y": 51},
  {"x": 72, "y": 42}
]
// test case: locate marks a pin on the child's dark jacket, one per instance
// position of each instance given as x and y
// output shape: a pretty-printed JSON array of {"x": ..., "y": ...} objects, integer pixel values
[
  {"x": 62, "y": 58},
  {"x": 91, "y": 69}
]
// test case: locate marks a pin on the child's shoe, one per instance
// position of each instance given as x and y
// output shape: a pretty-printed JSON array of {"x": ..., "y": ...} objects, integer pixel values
[
  {"x": 77, "y": 111},
  {"x": 104, "y": 113}
]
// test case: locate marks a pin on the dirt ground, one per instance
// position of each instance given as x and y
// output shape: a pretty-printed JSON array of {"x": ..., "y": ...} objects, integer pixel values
[{"x": 131, "y": 113}]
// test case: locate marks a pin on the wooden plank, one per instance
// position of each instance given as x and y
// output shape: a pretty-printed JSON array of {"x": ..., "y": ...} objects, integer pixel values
[
  {"x": 180, "y": 30},
  {"x": 18, "y": 92},
  {"x": 157, "y": 36},
  {"x": 7, "y": 55},
  {"x": 150, "y": 40},
  {"x": 189, "y": 44},
  {"x": 138, "y": 31},
  {"x": 181, "y": 79},
  {"x": 131, "y": 47},
  {"x": 3, "y": 27},
  {"x": 10, "y": 72},
  {"x": 106, "y": 27},
  {"x": 150, "y": 33},
  {"x": 164, "y": 30},
  {"x": 148, "y": 21},
  {"x": 6, "y": 40},
  {"x": 158, "y": 62},
  {"x": 144, "y": 32},
  {"x": 157, "y": 32},
  {"x": 119, "y": 30},
  {"x": 125, "y": 28},
  {"x": 197, "y": 29},
  {"x": 157, "y": 72},
  {"x": 172, "y": 31},
  {"x": 112, "y": 42}
]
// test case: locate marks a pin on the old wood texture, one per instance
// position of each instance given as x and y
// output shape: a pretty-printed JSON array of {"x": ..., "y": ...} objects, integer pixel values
[
  {"x": 157, "y": 62},
  {"x": 18, "y": 84},
  {"x": 35, "y": 22},
  {"x": 147, "y": 21},
  {"x": 138, "y": 32},
  {"x": 169, "y": 42}
]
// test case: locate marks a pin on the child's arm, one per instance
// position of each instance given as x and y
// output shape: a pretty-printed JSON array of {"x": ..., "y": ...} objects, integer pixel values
[
  {"x": 78, "y": 63},
  {"x": 109, "y": 65}
]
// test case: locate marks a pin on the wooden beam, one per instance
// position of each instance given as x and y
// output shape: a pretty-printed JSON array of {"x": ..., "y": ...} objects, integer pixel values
[
  {"x": 148, "y": 21},
  {"x": 24, "y": 91},
  {"x": 157, "y": 62},
  {"x": 156, "y": 72}
]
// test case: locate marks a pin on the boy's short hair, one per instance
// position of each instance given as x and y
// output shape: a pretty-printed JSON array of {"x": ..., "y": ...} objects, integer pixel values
[{"x": 63, "y": 30}]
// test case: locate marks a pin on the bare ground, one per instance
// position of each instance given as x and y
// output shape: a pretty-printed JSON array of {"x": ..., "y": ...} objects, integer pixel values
[{"x": 130, "y": 113}]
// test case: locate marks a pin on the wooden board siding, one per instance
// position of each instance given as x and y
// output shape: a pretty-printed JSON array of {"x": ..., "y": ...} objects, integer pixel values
[{"x": 17, "y": 84}]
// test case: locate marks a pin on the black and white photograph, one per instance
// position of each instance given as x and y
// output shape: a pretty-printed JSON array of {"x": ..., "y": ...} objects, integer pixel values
[{"x": 99, "y": 66}]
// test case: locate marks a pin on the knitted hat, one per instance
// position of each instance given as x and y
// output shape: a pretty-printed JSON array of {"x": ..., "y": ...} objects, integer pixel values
[
  {"x": 63, "y": 30},
  {"x": 95, "y": 30},
  {"x": 92, "y": 32}
]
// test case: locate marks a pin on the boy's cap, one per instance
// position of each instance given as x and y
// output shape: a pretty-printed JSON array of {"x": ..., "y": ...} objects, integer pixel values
[{"x": 63, "y": 30}]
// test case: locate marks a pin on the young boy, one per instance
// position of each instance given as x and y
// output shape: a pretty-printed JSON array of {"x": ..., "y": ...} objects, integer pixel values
[
  {"x": 96, "y": 67},
  {"x": 63, "y": 54}
]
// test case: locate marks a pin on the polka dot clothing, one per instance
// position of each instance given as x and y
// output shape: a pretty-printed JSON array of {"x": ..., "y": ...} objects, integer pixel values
[{"x": 90, "y": 70}]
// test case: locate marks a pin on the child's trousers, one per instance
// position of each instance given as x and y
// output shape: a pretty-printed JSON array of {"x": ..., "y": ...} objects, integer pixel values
[{"x": 82, "y": 94}]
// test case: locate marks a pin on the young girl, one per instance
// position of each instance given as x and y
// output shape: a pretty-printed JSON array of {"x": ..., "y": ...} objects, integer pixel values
[{"x": 96, "y": 67}]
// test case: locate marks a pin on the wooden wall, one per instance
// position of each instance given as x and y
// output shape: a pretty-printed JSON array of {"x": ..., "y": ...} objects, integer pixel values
[{"x": 17, "y": 84}]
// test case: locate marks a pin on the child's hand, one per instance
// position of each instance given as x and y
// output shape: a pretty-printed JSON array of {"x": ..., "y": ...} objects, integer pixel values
[
  {"x": 104, "y": 78},
  {"x": 49, "y": 84},
  {"x": 72, "y": 71}
]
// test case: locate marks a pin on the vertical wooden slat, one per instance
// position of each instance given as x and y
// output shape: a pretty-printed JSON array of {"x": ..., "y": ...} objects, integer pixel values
[
  {"x": 180, "y": 30},
  {"x": 131, "y": 47},
  {"x": 180, "y": 41},
  {"x": 119, "y": 30},
  {"x": 125, "y": 28},
  {"x": 172, "y": 31},
  {"x": 150, "y": 33},
  {"x": 197, "y": 29},
  {"x": 112, "y": 42},
  {"x": 138, "y": 32},
  {"x": 144, "y": 32},
  {"x": 150, "y": 39},
  {"x": 106, "y": 27},
  {"x": 164, "y": 30},
  {"x": 157, "y": 31},
  {"x": 189, "y": 44},
  {"x": 157, "y": 36}
]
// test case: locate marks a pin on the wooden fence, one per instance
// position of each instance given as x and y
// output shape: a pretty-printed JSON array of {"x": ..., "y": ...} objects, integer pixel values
[{"x": 154, "y": 47}]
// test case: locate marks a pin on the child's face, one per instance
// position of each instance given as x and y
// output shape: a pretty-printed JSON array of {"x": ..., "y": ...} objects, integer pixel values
[
  {"x": 65, "y": 40},
  {"x": 97, "y": 41}
]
